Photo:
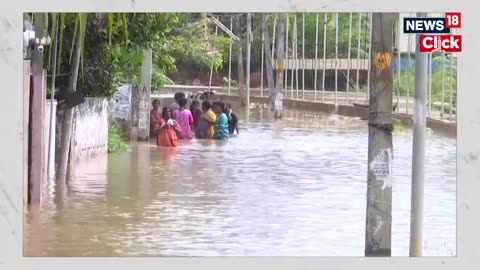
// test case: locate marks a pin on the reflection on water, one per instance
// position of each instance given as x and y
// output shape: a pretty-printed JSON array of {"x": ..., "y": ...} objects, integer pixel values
[{"x": 295, "y": 187}]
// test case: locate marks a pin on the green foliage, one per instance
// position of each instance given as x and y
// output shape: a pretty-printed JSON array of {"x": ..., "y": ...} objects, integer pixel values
[
  {"x": 113, "y": 45},
  {"x": 173, "y": 41},
  {"x": 116, "y": 142},
  {"x": 398, "y": 128},
  {"x": 343, "y": 34},
  {"x": 95, "y": 77},
  {"x": 440, "y": 80},
  {"x": 191, "y": 43},
  {"x": 310, "y": 35},
  {"x": 112, "y": 48}
]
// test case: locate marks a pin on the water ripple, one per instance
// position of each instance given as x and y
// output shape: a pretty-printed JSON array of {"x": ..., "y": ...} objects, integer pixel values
[{"x": 295, "y": 187}]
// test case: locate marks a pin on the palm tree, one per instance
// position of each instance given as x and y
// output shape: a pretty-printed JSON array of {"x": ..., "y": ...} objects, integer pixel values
[{"x": 76, "y": 62}]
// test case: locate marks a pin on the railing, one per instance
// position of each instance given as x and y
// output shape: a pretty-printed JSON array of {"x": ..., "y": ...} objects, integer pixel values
[{"x": 348, "y": 59}]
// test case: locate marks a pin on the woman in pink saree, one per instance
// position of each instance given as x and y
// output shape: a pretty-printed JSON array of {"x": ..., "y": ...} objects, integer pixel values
[{"x": 184, "y": 118}]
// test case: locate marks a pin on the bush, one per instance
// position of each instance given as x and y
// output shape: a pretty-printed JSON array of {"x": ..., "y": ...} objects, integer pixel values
[
  {"x": 116, "y": 142},
  {"x": 398, "y": 128},
  {"x": 439, "y": 81}
]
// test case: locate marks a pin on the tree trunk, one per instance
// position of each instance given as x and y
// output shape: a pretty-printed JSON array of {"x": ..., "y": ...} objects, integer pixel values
[
  {"x": 67, "y": 123},
  {"x": 268, "y": 60},
  {"x": 241, "y": 67},
  {"x": 278, "y": 95},
  {"x": 205, "y": 24}
]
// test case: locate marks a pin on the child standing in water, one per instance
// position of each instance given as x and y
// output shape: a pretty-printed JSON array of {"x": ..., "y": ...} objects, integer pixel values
[
  {"x": 221, "y": 123},
  {"x": 168, "y": 129},
  {"x": 184, "y": 118}
]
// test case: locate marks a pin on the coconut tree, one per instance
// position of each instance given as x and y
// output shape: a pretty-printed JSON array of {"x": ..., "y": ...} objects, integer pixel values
[{"x": 76, "y": 63}]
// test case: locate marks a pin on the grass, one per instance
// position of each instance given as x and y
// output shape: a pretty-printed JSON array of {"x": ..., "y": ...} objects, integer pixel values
[
  {"x": 116, "y": 142},
  {"x": 398, "y": 128},
  {"x": 441, "y": 82}
]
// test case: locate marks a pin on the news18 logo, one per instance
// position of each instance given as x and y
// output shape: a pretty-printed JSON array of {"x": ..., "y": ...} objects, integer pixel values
[{"x": 435, "y": 32}]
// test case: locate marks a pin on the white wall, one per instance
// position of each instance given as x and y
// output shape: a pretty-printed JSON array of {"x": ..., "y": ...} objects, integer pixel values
[
  {"x": 46, "y": 138},
  {"x": 90, "y": 129}
]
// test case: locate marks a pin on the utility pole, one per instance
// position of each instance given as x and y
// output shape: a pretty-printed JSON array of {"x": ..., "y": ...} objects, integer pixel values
[
  {"x": 378, "y": 237},
  {"x": 268, "y": 59},
  {"x": 249, "y": 49},
  {"x": 278, "y": 97},
  {"x": 36, "y": 113},
  {"x": 418, "y": 156},
  {"x": 241, "y": 68},
  {"x": 143, "y": 97},
  {"x": 51, "y": 130}
]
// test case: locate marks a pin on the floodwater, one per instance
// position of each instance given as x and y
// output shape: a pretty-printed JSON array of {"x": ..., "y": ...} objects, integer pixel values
[{"x": 295, "y": 187}]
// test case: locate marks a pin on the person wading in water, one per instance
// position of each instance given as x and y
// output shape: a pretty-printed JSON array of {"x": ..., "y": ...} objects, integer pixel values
[
  {"x": 167, "y": 130},
  {"x": 221, "y": 122},
  {"x": 205, "y": 128},
  {"x": 184, "y": 118},
  {"x": 155, "y": 117}
]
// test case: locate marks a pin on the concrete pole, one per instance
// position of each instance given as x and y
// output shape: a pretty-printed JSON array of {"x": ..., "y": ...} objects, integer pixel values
[
  {"x": 349, "y": 54},
  {"x": 51, "y": 132},
  {"x": 249, "y": 48},
  {"x": 378, "y": 236},
  {"x": 240, "y": 65},
  {"x": 325, "y": 21},
  {"x": 230, "y": 59},
  {"x": 409, "y": 50},
  {"x": 303, "y": 56},
  {"x": 213, "y": 62},
  {"x": 294, "y": 58},
  {"x": 296, "y": 55},
  {"x": 287, "y": 65},
  {"x": 359, "y": 41},
  {"x": 144, "y": 93},
  {"x": 262, "y": 63},
  {"x": 279, "y": 66},
  {"x": 418, "y": 154},
  {"x": 273, "y": 39},
  {"x": 316, "y": 60},
  {"x": 336, "y": 60},
  {"x": 36, "y": 115},
  {"x": 443, "y": 85},
  {"x": 430, "y": 67},
  {"x": 450, "y": 106},
  {"x": 268, "y": 62},
  {"x": 399, "y": 62}
]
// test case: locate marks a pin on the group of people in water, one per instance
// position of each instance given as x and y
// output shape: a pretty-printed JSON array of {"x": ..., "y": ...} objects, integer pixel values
[{"x": 203, "y": 121}]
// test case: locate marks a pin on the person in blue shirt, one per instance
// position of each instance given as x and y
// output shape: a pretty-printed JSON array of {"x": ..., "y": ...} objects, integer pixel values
[{"x": 221, "y": 122}]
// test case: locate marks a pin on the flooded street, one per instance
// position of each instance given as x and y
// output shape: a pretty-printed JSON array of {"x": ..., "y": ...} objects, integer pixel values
[{"x": 295, "y": 187}]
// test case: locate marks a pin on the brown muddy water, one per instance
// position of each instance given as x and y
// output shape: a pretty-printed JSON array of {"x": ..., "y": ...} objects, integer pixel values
[{"x": 295, "y": 187}]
